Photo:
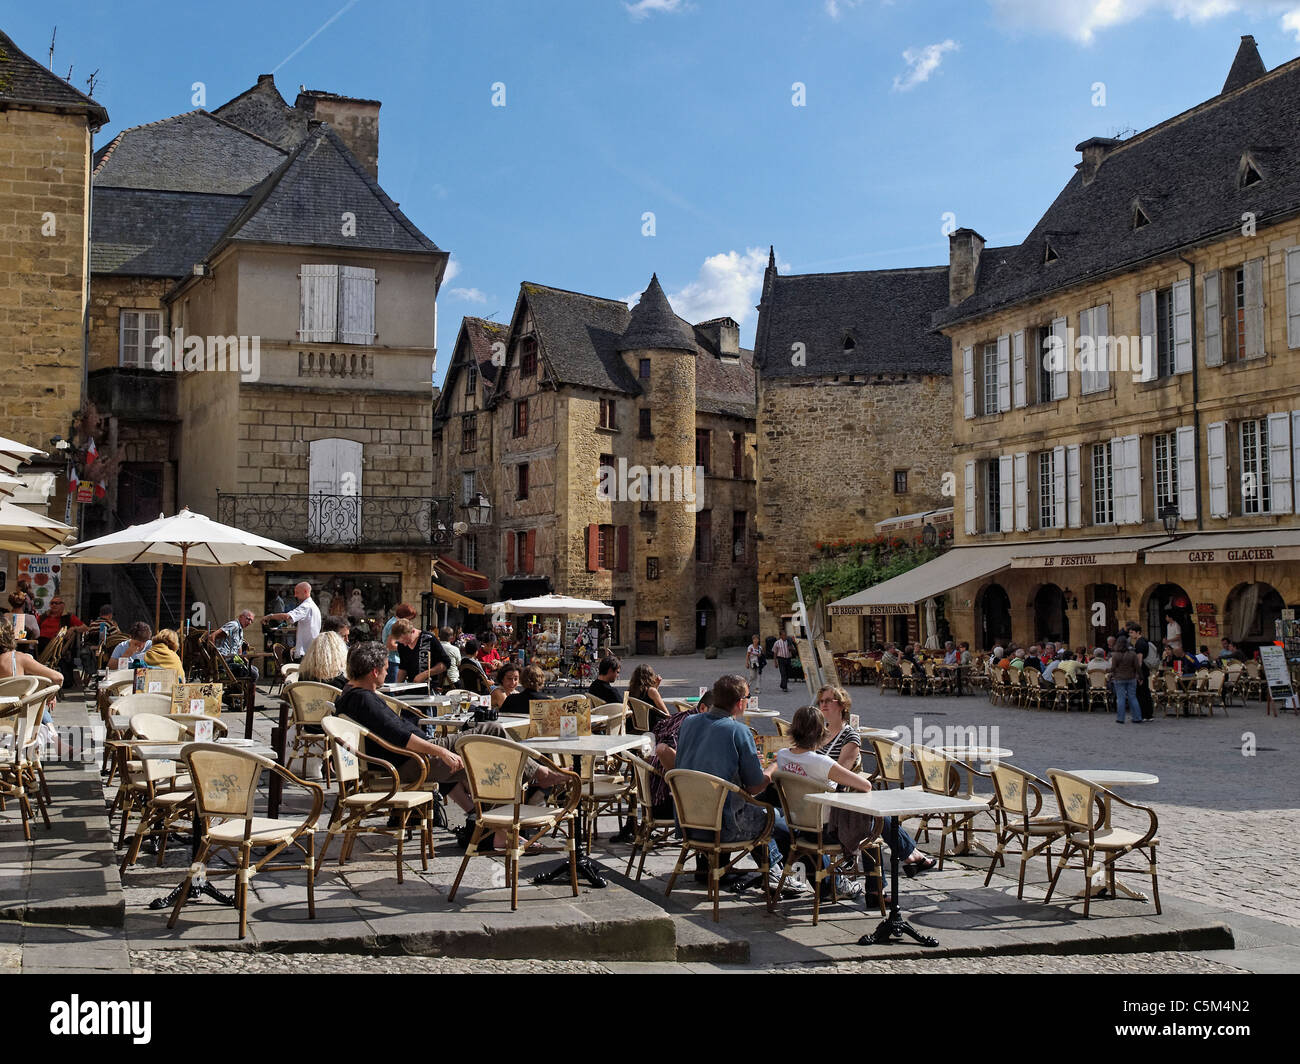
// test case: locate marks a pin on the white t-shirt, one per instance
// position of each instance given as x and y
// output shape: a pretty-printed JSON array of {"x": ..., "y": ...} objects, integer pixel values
[
  {"x": 811, "y": 764},
  {"x": 307, "y": 616}
]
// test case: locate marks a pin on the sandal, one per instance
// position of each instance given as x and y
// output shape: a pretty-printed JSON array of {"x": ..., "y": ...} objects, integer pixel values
[{"x": 914, "y": 868}]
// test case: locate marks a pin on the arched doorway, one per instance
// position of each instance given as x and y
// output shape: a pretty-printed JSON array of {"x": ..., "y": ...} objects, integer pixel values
[
  {"x": 993, "y": 617},
  {"x": 1169, "y": 598},
  {"x": 1050, "y": 620},
  {"x": 705, "y": 622},
  {"x": 1103, "y": 606},
  {"x": 1249, "y": 614}
]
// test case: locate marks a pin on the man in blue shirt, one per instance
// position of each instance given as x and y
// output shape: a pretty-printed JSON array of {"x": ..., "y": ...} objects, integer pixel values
[{"x": 720, "y": 743}]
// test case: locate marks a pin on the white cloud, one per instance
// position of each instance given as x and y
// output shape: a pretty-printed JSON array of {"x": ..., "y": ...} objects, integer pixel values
[
  {"x": 643, "y": 9},
  {"x": 453, "y": 268},
  {"x": 1083, "y": 19},
  {"x": 470, "y": 295},
  {"x": 835, "y": 8},
  {"x": 922, "y": 62},
  {"x": 728, "y": 284}
]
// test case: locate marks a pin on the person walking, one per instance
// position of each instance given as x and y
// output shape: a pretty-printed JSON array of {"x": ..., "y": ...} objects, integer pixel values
[
  {"x": 755, "y": 659},
  {"x": 782, "y": 651},
  {"x": 1124, "y": 666}
]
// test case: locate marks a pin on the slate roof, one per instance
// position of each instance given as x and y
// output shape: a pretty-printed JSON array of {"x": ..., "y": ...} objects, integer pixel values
[
  {"x": 303, "y": 203},
  {"x": 192, "y": 152},
  {"x": 726, "y": 387},
  {"x": 23, "y": 81},
  {"x": 653, "y": 324},
  {"x": 885, "y": 312},
  {"x": 156, "y": 234},
  {"x": 1184, "y": 172},
  {"x": 474, "y": 340},
  {"x": 1246, "y": 65},
  {"x": 262, "y": 110},
  {"x": 578, "y": 337}
]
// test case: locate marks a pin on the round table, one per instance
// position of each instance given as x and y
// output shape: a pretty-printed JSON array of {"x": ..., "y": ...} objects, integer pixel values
[
  {"x": 981, "y": 754},
  {"x": 892, "y": 734},
  {"x": 767, "y": 713}
]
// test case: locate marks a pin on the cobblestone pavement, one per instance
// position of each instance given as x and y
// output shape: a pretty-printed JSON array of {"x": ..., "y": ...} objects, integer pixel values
[{"x": 185, "y": 961}]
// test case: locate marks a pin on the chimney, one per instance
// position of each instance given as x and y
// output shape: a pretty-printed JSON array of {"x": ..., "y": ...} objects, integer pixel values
[
  {"x": 1094, "y": 150},
  {"x": 1246, "y": 66},
  {"x": 723, "y": 335},
  {"x": 964, "y": 248},
  {"x": 355, "y": 121}
]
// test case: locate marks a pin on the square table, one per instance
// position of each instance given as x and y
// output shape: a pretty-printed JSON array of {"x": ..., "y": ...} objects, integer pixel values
[{"x": 896, "y": 804}]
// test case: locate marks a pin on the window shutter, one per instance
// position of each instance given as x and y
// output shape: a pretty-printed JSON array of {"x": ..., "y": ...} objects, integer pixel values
[
  {"x": 1132, "y": 481},
  {"x": 1101, "y": 334},
  {"x": 1073, "y": 488},
  {"x": 1293, "y": 297},
  {"x": 1060, "y": 372},
  {"x": 318, "y": 290},
  {"x": 1004, "y": 373},
  {"x": 1182, "y": 327},
  {"x": 1006, "y": 493},
  {"x": 1216, "y": 448},
  {"x": 968, "y": 380},
  {"x": 970, "y": 496},
  {"x": 530, "y": 550},
  {"x": 1213, "y": 335},
  {"x": 1086, "y": 384},
  {"x": 1058, "y": 486},
  {"x": 1295, "y": 456},
  {"x": 622, "y": 548},
  {"x": 1021, "y": 472},
  {"x": 1254, "y": 274},
  {"x": 593, "y": 548},
  {"x": 1117, "y": 505},
  {"x": 1018, "y": 368},
  {"x": 1150, "y": 342},
  {"x": 357, "y": 305},
  {"x": 1279, "y": 462},
  {"x": 1185, "y": 445},
  {"x": 511, "y": 567}
]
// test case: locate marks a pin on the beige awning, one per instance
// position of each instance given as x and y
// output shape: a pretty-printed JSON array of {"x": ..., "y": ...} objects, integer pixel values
[
  {"x": 916, "y": 520},
  {"x": 902, "y": 593},
  {"x": 1214, "y": 548},
  {"x": 1078, "y": 553}
]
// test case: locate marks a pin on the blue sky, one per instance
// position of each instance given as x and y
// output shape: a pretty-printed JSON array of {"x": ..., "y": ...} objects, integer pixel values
[{"x": 685, "y": 108}]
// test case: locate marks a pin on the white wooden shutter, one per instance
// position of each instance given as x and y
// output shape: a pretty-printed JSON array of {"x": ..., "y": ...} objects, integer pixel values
[
  {"x": 1018, "y": 368},
  {"x": 1085, "y": 375},
  {"x": 357, "y": 305},
  {"x": 1101, "y": 336},
  {"x": 1185, "y": 445},
  {"x": 1004, "y": 373},
  {"x": 1293, "y": 297},
  {"x": 1132, "y": 481},
  {"x": 1295, "y": 456},
  {"x": 1216, "y": 450},
  {"x": 968, "y": 380},
  {"x": 1213, "y": 324},
  {"x": 1150, "y": 341},
  {"x": 1117, "y": 504},
  {"x": 1058, "y": 487},
  {"x": 1279, "y": 463},
  {"x": 1254, "y": 276},
  {"x": 1060, "y": 372},
  {"x": 1182, "y": 326},
  {"x": 318, "y": 290},
  {"x": 970, "y": 498},
  {"x": 1006, "y": 493},
  {"x": 1020, "y": 471},
  {"x": 1073, "y": 487}
]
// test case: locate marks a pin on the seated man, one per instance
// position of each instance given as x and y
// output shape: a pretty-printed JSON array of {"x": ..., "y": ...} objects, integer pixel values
[
  {"x": 603, "y": 686},
  {"x": 473, "y": 677},
  {"x": 228, "y": 640},
  {"x": 718, "y": 742},
  {"x": 139, "y": 639},
  {"x": 340, "y": 625},
  {"x": 410, "y": 643},
  {"x": 452, "y": 651}
]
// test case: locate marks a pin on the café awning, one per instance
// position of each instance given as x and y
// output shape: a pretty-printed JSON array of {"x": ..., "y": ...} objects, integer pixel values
[
  {"x": 1215, "y": 548},
  {"x": 471, "y": 579},
  {"x": 454, "y": 598},
  {"x": 904, "y": 522},
  {"x": 902, "y": 593},
  {"x": 1080, "y": 553}
]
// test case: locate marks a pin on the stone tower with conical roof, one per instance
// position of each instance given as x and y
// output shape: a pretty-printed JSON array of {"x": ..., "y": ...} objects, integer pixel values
[{"x": 659, "y": 351}]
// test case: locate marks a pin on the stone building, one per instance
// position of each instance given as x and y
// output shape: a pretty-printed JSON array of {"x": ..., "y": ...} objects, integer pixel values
[
  {"x": 1127, "y": 433},
  {"x": 251, "y": 254},
  {"x": 851, "y": 380},
  {"x": 46, "y": 131},
  {"x": 587, "y": 439}
]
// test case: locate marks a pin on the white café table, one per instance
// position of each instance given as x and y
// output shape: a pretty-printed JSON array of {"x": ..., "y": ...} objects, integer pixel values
[
  {"x": 1112, "y": 778},
  {"x": 579, "y": 747},
  {"x": 896, "y": 804}
]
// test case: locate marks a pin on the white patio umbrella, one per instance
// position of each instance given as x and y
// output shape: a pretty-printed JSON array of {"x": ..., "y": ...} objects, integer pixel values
[
  {"x": 13, "y": 454},
  {"x": 28, "y": 532},
  {"x": 553, "y": 605},
  {"x": 931, "y": 625},
  {"x": 9, "y": 484},
  {"x": 188, "y": 538}
]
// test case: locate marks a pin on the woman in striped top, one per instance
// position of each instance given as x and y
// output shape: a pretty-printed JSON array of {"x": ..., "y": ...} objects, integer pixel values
[{"x": 845, "y": 747}]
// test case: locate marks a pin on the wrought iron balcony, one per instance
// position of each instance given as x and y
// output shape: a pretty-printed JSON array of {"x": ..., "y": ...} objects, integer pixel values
[{"x": 351, "y": 522}]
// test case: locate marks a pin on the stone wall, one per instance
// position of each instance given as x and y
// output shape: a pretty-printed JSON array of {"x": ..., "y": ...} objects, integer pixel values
[{"x": 109, "y": 296}]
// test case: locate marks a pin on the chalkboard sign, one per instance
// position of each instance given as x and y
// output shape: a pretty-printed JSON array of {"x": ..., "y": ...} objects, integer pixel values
[{"x": 1278, "y": 676}]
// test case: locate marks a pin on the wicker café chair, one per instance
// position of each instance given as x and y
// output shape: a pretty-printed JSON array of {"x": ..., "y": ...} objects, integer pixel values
[
  {"x": 1175, "y": 696},
  {"x": 650, "y": 831},
  {"x": 891, "y": 764},
  {"x": 1077, "y": 798},
  {"x": 940, "y": 774},
  {"x": 494, "y": 770},
  {"x": 310, "y": 703},
  {"x": 643, "y": 716},
  {"x": 1233, "y": 686},
  {"x": 806, "y": 821},
  {"x": 18, "y": 778},
  {"x": 1098, "y": 691},
  {"x": 362, "y": 796},
  {"x": 1067, "y": 693},
  {"x": 1251, "y": 683},
  {"x": 129, "y": 705},
  {"x": 700, "y": 800},
  {"x": 225, "y": 787},
  {"x": 1016, "y": 807},
  {"x": 107, "y": 693},
  {"x": 153, "y": 786},
  {"x": 1215, "y": 692}
]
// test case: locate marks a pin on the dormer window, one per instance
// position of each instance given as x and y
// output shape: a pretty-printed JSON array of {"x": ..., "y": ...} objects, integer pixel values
[
  {"x": 1049, "y": 253},
  {"x": 528, "y": 358},
  {"x": 1139, "y": 217},
  {"x": 849, "y": 345},
  {"x": 1248, "y": 173}
]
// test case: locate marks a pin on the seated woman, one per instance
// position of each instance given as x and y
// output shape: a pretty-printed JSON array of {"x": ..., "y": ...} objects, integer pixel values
[
  {"x": 13, "y": 662},
  {"x": 18, "y": 613},
  {"x": 844, "y": 745},
  {"x": 165, "y": 653},
  {"x": 507, "y": 683},
  {"x": 326, "y": 661},
  {"x": 529, "y": 690},
  {"x": 644, "y": 685}
]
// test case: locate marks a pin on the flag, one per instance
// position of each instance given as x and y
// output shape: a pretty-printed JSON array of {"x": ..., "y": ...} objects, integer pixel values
[{"x": 92, "y": 453}]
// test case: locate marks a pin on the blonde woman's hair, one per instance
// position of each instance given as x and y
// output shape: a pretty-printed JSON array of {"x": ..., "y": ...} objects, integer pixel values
[
  {"x": 839, "y": 694},
  {"x": 326, "y": 658},
  {"x": 168, "y": 638}
]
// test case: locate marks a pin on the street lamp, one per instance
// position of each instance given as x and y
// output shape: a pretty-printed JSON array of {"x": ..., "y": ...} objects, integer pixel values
[
  {"x": 1169, "y": 515},
  {"x": 479, "y": 510}
]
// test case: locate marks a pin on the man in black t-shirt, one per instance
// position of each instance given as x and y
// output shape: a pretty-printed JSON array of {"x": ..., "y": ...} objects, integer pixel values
[
  {"x": 414, "y": 647},
  {"x": 603, "y": 686},
  {"x": 1140, "y": 645}
]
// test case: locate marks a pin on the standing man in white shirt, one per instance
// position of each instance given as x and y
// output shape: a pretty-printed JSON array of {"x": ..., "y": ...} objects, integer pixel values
[
  {"x": 782, "y": 650},
  {"x": 306, "y": 615}
]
